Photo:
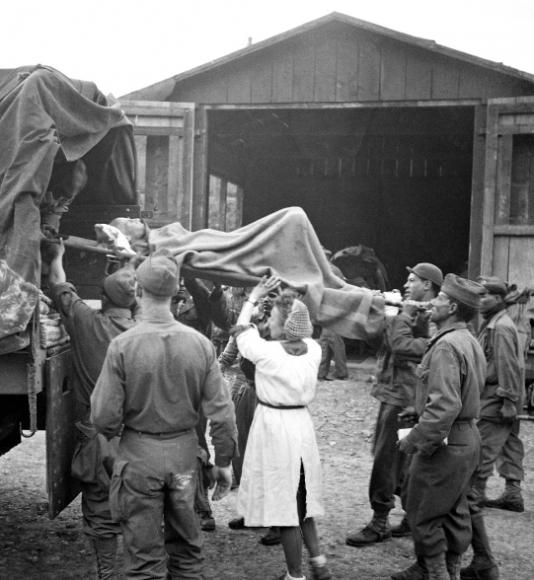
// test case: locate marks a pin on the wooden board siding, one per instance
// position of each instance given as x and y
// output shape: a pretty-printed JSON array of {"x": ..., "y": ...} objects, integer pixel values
[
  {"x": 165, "y": 143},
  {"x": 511, "y": 259},
  {"x": 344, "y": 64},
  {"x": 507, "y": 222}
]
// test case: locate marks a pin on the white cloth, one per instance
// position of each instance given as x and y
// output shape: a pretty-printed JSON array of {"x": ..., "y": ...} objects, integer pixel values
[{"x": 280, "y": 439}]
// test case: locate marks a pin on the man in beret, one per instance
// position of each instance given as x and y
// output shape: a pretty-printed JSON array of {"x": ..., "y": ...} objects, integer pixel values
[
  {"x": 405, "y": 340},
  {"x": 154, "y": 381},
  {"x": 501, "y": 398},
  {"x": 90, "y": 332},
  {"x": 445, "y": 442}
]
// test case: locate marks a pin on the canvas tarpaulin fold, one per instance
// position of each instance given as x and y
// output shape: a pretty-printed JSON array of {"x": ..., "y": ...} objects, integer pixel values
[
  {"x": 285, "y": 244},
  {"x": 42, "y": 113}
]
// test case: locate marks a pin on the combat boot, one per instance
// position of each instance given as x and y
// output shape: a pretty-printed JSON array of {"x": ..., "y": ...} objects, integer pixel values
[
  {"x": 437, "y": 568},
  {"x": 377, "y": 530},
  {"x": 483, "y": 565},
  {"x": 402, "y": 530},
  {"x": 511, "y": 499},
  {"x": 417, "y": 571},
  {"x": 105, "y": 551}
]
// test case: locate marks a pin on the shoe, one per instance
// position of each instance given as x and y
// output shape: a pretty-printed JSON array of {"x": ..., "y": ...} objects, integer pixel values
[
  {"x": 320, "y": 573},
  {"x": 506, "y": 502},
  {"x": 414, "y": 572},
  {"x": 367, "y": 536},
  {"x": 325, "y": 379},
  {"x": 344, "y": 378},
  {"x": 236, "y": 524},
  {"x": 475, "y": 573},
  {"x": 271, "y": 538},
  {"x": 207, "y": 524},
  {"x": 402, "y": 530}
]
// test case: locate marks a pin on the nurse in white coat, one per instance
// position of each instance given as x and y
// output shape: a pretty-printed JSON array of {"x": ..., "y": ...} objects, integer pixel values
[{"x": 281, "y": 480}]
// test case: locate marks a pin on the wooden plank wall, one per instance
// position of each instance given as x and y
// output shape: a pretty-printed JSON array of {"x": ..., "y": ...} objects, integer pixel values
[{"x": 343, "y": 64}]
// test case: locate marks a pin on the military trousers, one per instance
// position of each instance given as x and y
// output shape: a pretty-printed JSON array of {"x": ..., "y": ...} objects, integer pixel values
[
  {"x": 502, "y": 447},
  {"x": 152, "y": 495},
  {"x": 437, "y": 506},
  {"x": 389, "y": 464}
]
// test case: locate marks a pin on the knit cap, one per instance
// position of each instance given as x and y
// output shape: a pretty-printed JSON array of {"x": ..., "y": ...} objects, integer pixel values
[{"x": 298, "y": 324}]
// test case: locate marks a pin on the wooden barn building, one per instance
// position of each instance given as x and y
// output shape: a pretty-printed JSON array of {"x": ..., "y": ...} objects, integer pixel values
[{"x": 419, "y": 151}]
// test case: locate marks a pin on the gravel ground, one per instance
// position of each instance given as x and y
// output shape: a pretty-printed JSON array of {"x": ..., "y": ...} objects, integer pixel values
[{"x": 32, "y": 547}]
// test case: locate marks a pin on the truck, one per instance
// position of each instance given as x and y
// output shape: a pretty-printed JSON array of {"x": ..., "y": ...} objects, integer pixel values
[
  {"x": 51, "y": 124},
  {"x": 138, "y": 159}
]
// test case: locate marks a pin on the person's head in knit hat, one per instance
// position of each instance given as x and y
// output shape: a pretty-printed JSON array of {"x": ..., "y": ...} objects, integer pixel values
[
  {"x": 290, "y": 319},
  {"x": 458, "y": 301}
]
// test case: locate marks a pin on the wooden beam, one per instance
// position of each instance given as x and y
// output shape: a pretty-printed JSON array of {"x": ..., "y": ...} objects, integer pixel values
[
  {"x": 349, "y": 105},
  {"x": 490, "y": 178},
  {"x": 477, "y": 192}
]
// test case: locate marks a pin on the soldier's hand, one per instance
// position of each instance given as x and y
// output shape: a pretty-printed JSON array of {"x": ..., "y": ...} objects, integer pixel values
[
  {"x": 406, "y": 447},
  {"x": 223, "y": 477},
  {"x": 508, "y": 411},
  {"x": 53, "y": 249}
]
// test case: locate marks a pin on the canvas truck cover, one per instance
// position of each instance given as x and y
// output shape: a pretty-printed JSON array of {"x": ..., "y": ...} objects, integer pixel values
[
  {"x": 46, "y": 122},
  {"x": 47, "y": 119}
]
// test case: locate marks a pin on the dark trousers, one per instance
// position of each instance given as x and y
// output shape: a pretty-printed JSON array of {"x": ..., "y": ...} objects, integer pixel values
[
  {"x": 501, "y": 446},
  {"x": 333, "y": 347},
  {"x": 389, "y": 464},
  {"x": 245, "y": 402},
  {"x": 437, "y": 507}
]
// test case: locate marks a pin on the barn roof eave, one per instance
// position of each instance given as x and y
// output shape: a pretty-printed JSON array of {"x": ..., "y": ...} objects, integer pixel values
[{"x": 163, "y": 89}]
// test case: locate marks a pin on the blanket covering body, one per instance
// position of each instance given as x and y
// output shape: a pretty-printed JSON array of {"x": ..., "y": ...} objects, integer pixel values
[{"x": 285, "y": 244}]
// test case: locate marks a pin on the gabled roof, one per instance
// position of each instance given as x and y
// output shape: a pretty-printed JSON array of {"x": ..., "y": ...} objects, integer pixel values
[{"x": 164, "y": 87}]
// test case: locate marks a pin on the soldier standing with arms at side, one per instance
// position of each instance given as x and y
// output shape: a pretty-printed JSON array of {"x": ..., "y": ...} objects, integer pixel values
[
  {"x": 500, "y": 402},
  {"x": 91, "y": 331},
  {"x": 154, "y": 381},
  {"x": 501, "y": 398},
  {"x": 445, "y": 442}
]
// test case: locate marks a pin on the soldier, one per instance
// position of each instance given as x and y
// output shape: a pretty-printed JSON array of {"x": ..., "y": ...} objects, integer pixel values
[
  {"x": 405, "y": 340},
  {"x": 501, "y": 399},
  {"x": 154, "y": 381},
  {"x": 445, "y": 442},
  {"x": 91, "y": 332}
]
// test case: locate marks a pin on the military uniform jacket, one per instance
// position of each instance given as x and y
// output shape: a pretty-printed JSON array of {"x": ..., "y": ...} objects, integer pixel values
[
  {"x": 499, "y": 339},
  {"x": 451, "y": 376},
  {"x": 403, "y": 347}
]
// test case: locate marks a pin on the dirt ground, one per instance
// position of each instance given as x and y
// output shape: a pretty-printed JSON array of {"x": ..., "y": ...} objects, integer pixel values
[{"x": 32, "y": 547}]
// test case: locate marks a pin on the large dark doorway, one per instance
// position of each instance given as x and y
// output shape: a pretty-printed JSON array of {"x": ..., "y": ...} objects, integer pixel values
[{"x": 395, "y": 179}]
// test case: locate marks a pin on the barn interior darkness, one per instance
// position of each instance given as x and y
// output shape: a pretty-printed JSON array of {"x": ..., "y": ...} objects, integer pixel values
[{"x": 396, "y": 179}]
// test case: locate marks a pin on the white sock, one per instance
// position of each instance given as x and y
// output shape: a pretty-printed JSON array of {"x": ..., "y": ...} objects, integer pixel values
[{"x": 318, "y": 560}]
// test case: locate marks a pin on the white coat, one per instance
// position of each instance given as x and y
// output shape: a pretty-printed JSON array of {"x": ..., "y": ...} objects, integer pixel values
[{"x": 280, "y": 440}]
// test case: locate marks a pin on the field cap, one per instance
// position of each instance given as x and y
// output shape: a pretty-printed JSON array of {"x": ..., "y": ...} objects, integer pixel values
[
  {"x": 494, "y": 285},
  {"x": 298, "y": 324},
  {"x": 159, "y": 274},
  {"x": 463, "y": 290},
  {"x": 119, "y": 287},
  {"x": 427, "y": 271}
]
